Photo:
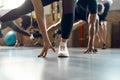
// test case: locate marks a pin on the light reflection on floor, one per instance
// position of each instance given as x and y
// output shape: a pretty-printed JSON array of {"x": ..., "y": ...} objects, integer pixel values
[{"x": 23, "y": 64}]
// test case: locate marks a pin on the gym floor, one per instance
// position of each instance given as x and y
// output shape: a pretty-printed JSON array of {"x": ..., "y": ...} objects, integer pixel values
[{"x": 23, "y": 64}]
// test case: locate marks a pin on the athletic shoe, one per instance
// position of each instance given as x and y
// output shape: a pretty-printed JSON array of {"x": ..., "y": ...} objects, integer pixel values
[
  {"x": 95, "y": 50},
  {"x": 63, "y": 50},
  {"x": 104, "y": 46}
]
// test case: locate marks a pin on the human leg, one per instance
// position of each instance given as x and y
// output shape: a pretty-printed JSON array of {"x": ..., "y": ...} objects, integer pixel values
[
  {"x": 19, "y": 33},
  {"x": 80, "y": 19},
  {"x": 78, "y": 24},
  {"x": 19, "y": 40},
  {"x": 103, "y": 23},
  {"x": 67, "y": 17},
  {"x": 25, "y": 8},
  {"x": 104, "y": 33},
  {"x": 92, "y": 31}
]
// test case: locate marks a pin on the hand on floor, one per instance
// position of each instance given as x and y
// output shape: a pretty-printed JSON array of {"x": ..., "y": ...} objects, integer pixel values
[
  {"x": 45, "y": 50},
  {"x": 90, "y": 50}
]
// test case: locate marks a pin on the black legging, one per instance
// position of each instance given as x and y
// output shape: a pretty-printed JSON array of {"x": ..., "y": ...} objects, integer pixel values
[
  {"x": 27, "y": 7},
  {"x": 67, "y": 18},
  {"x": 11, "y": 25}
]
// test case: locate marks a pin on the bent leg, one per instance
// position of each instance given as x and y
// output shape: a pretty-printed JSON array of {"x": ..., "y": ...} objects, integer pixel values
[
  {"x": 78, "y": 24},
  {"x": 25, "y": 8}
]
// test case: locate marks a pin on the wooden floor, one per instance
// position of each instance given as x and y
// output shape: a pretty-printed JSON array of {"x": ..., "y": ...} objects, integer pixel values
[{"x": 23, "y": 64}]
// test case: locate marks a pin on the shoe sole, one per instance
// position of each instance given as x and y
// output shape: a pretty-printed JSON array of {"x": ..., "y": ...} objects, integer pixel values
[{"x": 62, "y": 55}]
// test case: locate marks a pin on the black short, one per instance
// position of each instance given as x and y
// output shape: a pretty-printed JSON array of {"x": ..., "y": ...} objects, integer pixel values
[{"x": 103, "y": 16}]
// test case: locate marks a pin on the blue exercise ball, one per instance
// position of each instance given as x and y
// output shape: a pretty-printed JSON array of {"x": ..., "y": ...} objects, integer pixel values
[{"x": 10, "y": 38}]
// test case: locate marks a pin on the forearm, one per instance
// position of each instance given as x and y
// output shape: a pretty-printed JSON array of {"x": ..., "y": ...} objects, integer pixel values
[
  {"x": 67, "y": 18},
  {"x": 40, "y": 18},
  {"x": 15, "y": 28},
  {"x": 21, "y": 31}
]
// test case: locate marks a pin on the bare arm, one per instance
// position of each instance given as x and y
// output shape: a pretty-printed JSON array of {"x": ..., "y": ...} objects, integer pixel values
[
  {"x": 14, "y": 27},
  {"x": 41, "y": 23}
]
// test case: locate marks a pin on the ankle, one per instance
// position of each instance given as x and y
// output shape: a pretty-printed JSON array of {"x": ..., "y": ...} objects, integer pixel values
[
  {"x": 64, "y": 40},
  {"x": 63, "y": 44}
]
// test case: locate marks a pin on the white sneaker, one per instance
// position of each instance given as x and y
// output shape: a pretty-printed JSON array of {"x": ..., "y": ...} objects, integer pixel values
[
  {"x": 0, "y": 26},
  {"x": 63, "y": 51}
]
